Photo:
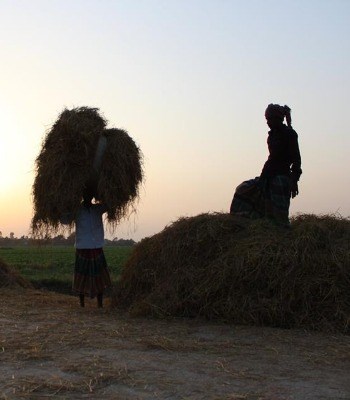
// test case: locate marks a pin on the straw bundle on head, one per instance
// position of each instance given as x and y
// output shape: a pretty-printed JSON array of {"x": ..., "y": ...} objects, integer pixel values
[
  {"x": 120, "y": 174},
  {"x": 66, "y": 167},
  {"x": 212, "y": 266}
]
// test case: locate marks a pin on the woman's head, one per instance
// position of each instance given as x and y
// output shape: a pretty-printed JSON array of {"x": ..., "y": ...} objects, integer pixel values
[{"x": 275, "y": 115}]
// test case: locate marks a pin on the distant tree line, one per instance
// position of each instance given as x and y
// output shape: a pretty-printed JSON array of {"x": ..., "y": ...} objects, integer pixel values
[{"x": 59, "y": 240}]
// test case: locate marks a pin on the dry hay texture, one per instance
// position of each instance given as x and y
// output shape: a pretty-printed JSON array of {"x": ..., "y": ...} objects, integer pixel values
[
  {"x": 64, "y": 168},
  {"x": 254, "y": 273},
  {"x": 10, "y": 278}
]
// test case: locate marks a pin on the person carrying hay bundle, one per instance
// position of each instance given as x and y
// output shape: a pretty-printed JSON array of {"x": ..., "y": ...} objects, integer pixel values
[
  {"x": 269, "y": 194},
  {"x": 82, "y": 159}
]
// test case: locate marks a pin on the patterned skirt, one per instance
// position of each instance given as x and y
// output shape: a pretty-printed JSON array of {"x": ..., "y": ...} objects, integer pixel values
[
  {"x": 263, "y": 198},
  {"x": 91, "y": 275}
]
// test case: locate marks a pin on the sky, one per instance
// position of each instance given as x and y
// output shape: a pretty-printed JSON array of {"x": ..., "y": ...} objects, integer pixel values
[{"x": 190, "y": 81}]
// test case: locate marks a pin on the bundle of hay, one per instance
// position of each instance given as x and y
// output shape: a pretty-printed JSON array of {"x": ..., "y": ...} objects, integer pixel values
[
  {"x": 71, "y": 160},
  {"x": 120, "y": 175},
  {"x": 10, "y": 278},
  {"x": 213, "y": 266}
]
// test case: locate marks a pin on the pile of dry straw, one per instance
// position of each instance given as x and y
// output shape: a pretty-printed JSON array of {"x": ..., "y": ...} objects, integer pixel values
[
  {"x": 65, "y": 168},
  {"x": 214, "y": 266},
  {"x": 10, "y": 278}
]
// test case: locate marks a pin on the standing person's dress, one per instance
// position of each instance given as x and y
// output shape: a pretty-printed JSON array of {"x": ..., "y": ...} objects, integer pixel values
[
  {"x": 269, "y": 194},
  {"x": 91, "y": 274}
]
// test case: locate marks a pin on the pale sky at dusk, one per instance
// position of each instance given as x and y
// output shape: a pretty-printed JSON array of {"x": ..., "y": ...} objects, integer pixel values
[{"x": 189, "y": 80}]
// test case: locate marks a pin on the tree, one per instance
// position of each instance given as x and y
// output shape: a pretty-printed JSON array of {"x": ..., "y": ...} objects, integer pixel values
[{"x": 12, "y": 235}]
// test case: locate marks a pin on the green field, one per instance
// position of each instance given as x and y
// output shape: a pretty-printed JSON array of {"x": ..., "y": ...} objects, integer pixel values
[{"x": 52, "y": 266}]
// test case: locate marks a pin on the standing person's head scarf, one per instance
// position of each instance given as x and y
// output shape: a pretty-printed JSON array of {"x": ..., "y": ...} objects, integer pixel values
[{"x": 277, "y": 112}]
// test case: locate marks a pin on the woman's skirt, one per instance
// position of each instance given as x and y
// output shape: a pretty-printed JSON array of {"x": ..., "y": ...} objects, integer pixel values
[
  {"x": 263, "y": 198},
  {"x": 91, "y": 275}
]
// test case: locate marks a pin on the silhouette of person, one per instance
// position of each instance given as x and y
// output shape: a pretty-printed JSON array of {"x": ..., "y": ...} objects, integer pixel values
[{"x": 269, "y": 194}]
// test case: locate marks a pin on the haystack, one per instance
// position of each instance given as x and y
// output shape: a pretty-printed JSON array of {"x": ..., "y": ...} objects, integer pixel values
[
  {"x": 214, "y": 266},
  {"x": 10, "y": 278},
  {"x": 71, "y": 160}
]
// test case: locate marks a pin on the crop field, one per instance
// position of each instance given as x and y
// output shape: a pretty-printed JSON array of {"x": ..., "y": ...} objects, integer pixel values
[{"x": 52, "y": 266}]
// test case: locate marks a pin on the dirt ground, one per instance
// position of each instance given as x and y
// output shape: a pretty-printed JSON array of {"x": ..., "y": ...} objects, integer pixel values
[{"x": 51, "y": 348}]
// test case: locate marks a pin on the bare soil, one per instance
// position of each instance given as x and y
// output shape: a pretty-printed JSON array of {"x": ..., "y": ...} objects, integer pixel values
[{"x": 52, "y": 348}]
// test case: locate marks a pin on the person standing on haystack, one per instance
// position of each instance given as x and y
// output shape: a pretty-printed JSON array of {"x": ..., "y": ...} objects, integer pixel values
[
  {"x": 91, "y": 274},
  {"x": 269, "y": 195}
]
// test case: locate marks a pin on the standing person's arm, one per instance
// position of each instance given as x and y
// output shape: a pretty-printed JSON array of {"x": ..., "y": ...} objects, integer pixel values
[{"x": 295, "y": 158}]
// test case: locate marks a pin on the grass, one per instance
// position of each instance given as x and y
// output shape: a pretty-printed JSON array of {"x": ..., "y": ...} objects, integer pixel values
[{"x": 52, "y": 266}]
